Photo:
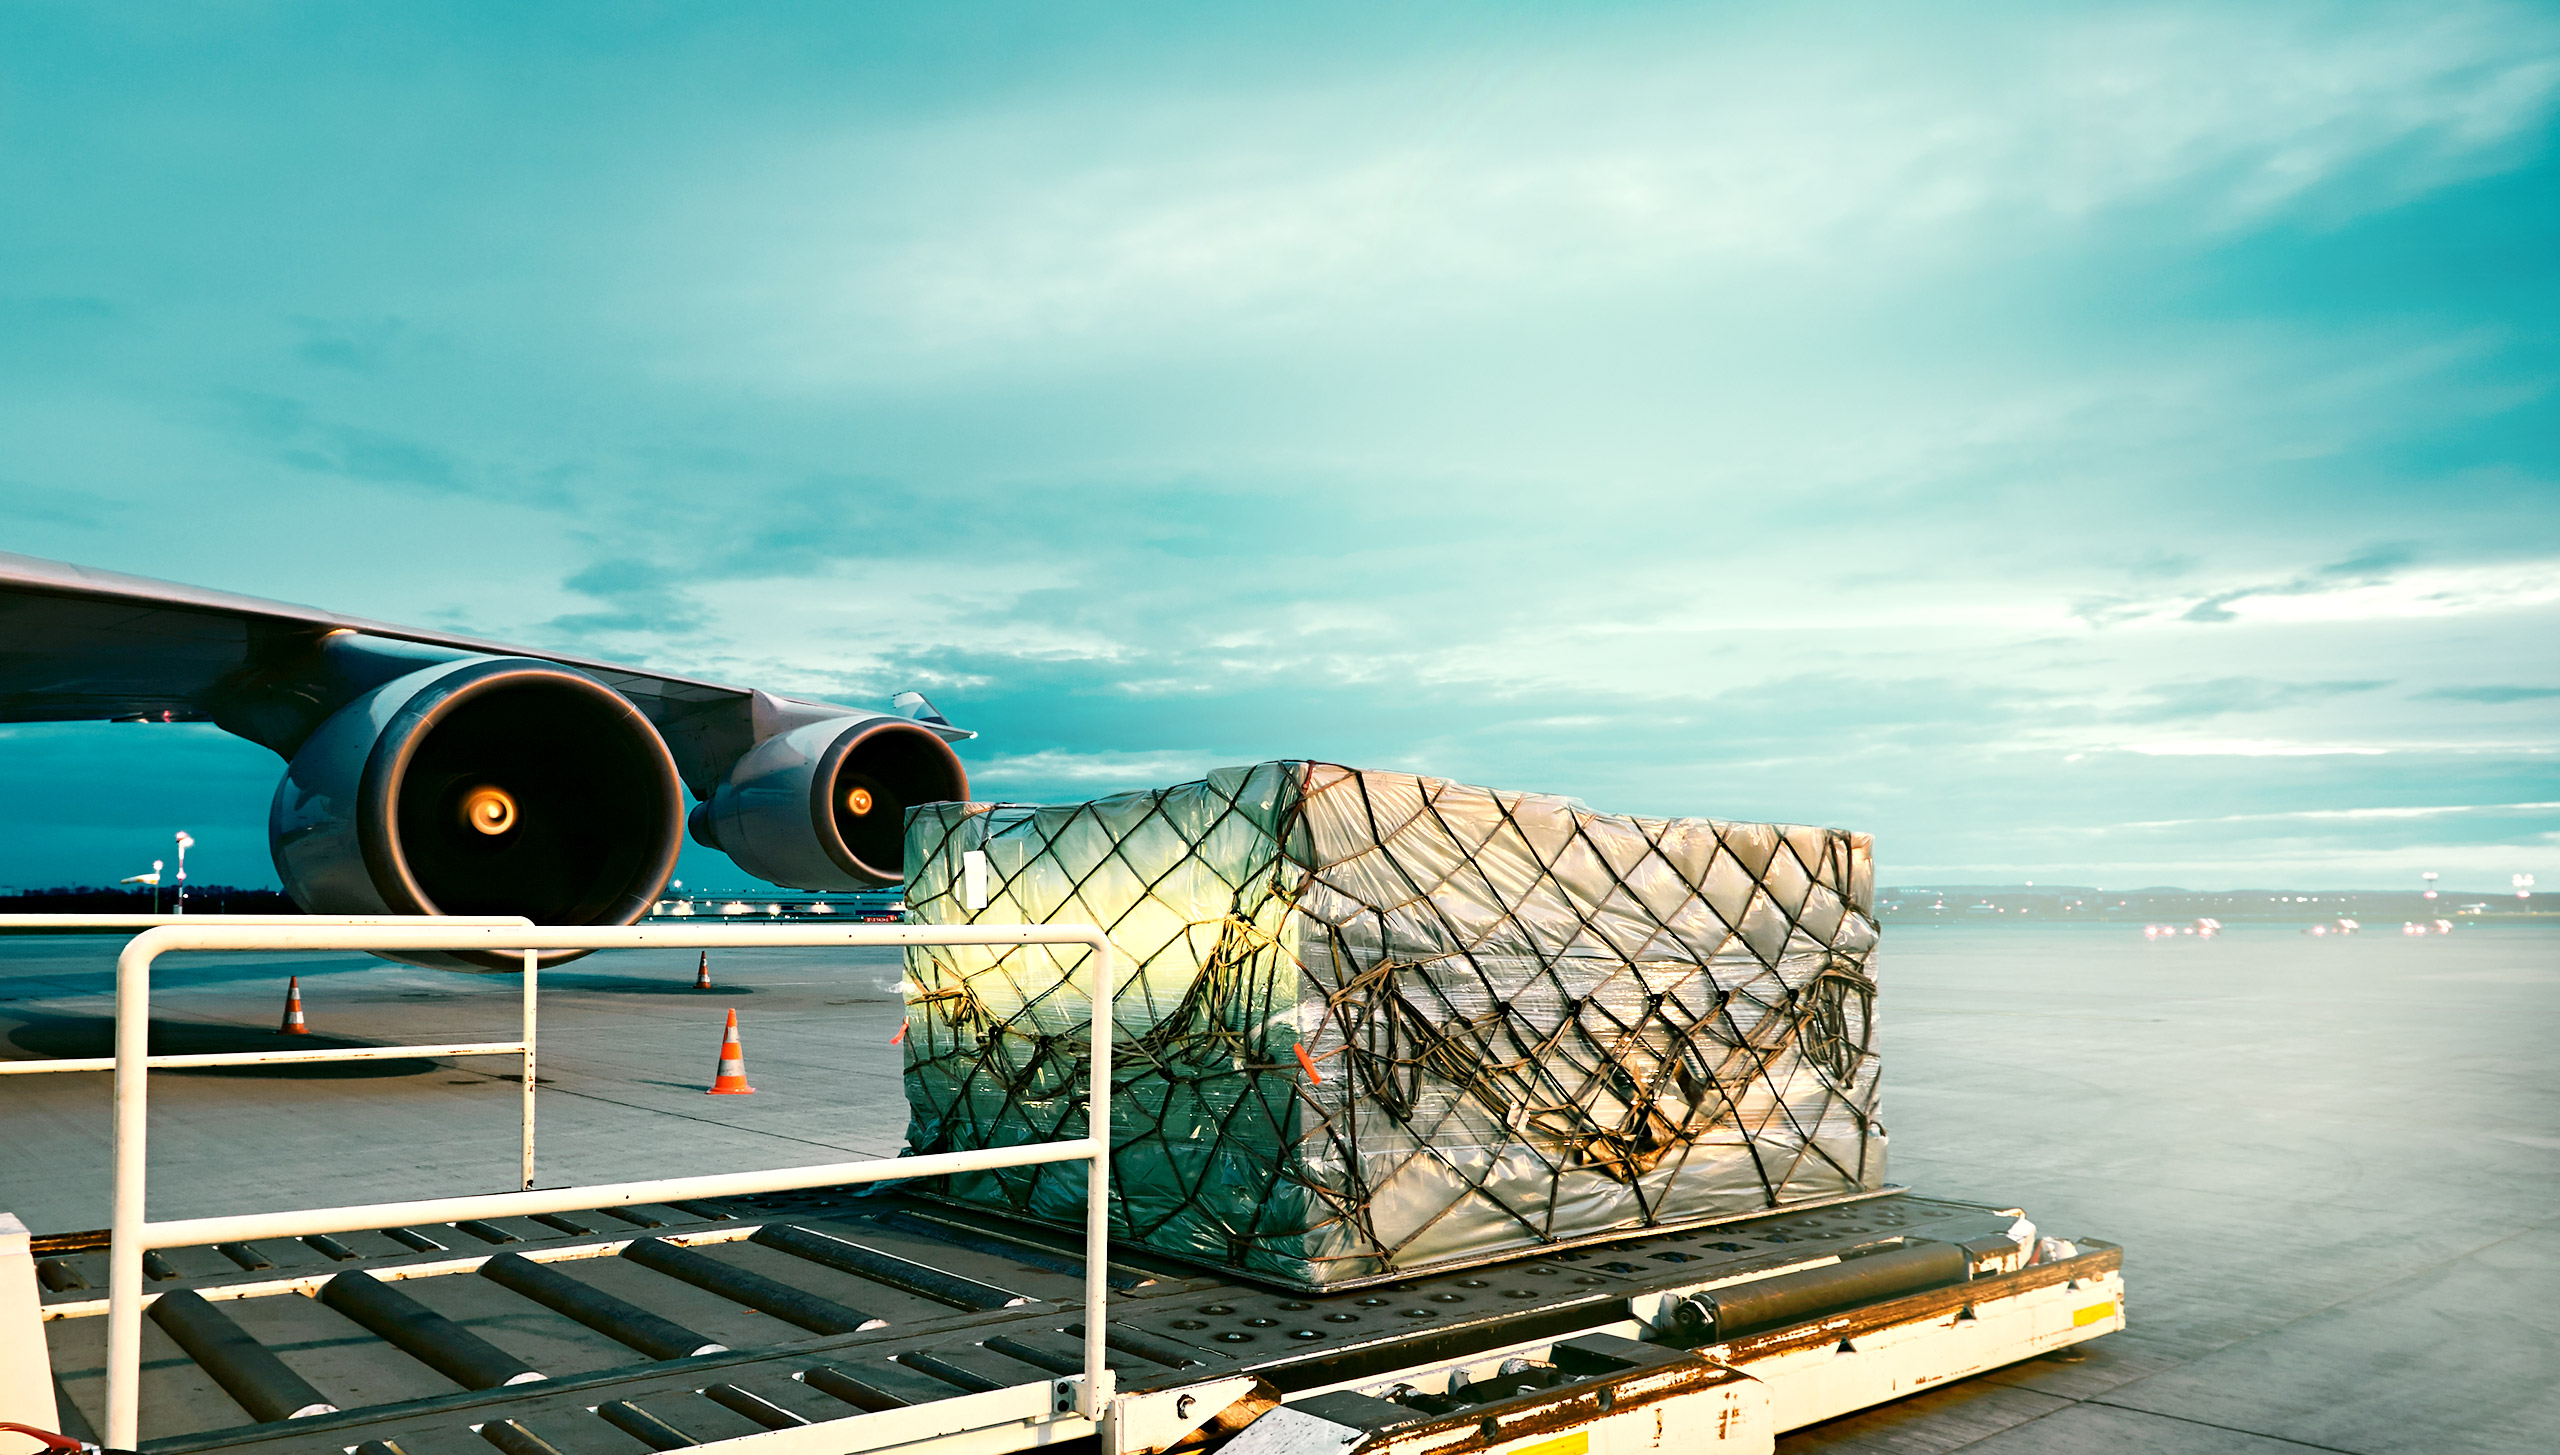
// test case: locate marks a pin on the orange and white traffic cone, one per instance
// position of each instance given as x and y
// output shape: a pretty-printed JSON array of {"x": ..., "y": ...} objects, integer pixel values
[
  {"x": 294, "y": 1025},
  {"x": 732, "y": 1077},
  {"x": 702, "y": 972}
]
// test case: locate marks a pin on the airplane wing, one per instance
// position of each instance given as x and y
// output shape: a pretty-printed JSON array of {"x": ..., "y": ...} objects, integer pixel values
[
  {"x": 84, "y": 645},
  {"x": 432, "y": 773}
]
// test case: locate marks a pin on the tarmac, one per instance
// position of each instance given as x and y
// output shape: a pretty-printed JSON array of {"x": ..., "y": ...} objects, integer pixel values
[{"x": 2334, "y": 1164}]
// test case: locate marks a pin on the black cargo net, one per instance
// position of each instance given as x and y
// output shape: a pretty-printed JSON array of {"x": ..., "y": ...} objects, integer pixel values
[{"x": 1369, "y": 1022}]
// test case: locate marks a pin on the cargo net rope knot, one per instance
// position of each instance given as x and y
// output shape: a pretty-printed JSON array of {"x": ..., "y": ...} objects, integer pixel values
[{"x": 1527, "y": 1023}]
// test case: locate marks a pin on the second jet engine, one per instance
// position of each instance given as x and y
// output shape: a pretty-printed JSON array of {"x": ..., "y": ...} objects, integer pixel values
[{"x": 822, "y": 804}]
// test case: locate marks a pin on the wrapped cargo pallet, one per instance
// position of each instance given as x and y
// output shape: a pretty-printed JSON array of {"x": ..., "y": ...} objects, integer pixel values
[{"x": 1370, "y": 1024}]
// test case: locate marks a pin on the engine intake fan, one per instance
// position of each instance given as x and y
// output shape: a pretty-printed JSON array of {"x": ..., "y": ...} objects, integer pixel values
[{"x": 486, "y": 786}]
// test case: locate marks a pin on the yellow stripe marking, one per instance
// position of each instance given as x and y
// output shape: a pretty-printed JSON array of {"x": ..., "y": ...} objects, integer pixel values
[
  {"x": 1577, "y": 1443},
  {"x": 2083, "y": 1318}
]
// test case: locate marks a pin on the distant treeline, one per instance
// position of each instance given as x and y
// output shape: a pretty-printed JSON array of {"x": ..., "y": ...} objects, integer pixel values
[{"x": 104, "y": 899}]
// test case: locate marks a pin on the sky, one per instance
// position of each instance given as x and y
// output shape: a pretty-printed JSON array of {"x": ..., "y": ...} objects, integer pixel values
[{"x": 2091, "y": 444}]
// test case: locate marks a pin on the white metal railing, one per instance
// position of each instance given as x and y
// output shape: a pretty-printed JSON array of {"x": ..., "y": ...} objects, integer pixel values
[
  {"x": 133, "y": 1235},
  {"x": 522, "y": 1048}
]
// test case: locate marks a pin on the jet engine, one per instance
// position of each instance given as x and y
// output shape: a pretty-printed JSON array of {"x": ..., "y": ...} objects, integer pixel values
[
  {"x": 823, "y": 805},
  {"x": 481, "y": 786}
]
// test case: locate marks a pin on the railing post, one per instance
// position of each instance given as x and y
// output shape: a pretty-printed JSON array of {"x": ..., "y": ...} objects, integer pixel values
[
  {"x": 125, "y": 1223},
  {"x": 1097, "y": 1209},
  {"x": 532, "y": 969}
]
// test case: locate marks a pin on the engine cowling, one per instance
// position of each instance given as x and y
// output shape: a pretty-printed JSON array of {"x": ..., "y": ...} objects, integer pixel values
[
  {"x": 486, "y": 786},
  {"x": 824, "y": 805}
]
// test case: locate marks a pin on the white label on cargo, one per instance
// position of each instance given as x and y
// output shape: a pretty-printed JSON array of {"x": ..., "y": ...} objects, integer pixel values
[{"x": 973, "y": 878}]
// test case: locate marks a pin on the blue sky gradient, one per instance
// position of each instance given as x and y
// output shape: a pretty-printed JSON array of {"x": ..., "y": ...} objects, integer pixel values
[{"x": 2100, "y": 444}]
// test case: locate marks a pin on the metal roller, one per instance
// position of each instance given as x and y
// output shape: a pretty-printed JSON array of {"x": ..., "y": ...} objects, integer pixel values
[
  {"x": 247, "y": 1370},
  {"x": 847, "y": 1256},
  {"x": 740, "y": 1285},
  {"x": 643, "y": 1426},
  {"x": 423, "y": 1334},
  {"x": 1791, "y": 1298},
  {"x": 512, "y": 1437},
  {"x": 616, "y": 1319}
]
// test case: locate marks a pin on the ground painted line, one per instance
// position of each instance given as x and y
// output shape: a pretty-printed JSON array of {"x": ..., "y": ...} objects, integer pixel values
[
  {"x": 2228, "y": 1429},
  {"x": 2069, "y": 1403}
]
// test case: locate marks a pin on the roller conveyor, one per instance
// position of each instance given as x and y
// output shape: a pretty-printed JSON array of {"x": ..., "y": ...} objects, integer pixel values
[{"x": 621, "y": 1330}]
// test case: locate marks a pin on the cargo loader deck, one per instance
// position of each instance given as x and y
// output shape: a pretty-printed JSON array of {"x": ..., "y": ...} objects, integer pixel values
[{"x": 808, "y": 1322}]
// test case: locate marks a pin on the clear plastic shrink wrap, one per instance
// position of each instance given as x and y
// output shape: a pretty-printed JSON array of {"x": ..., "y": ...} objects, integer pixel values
[{"x": 1528, "y": 1024}]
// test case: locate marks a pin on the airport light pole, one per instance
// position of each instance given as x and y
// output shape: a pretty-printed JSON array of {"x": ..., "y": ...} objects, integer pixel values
[{"x": 186, "y": 841}]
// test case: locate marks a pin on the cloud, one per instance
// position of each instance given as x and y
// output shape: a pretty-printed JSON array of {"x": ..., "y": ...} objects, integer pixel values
[
  {"x": 2457, "y": 591},
  {"x": 358, "y": 345},
  {"x": 389, "y": 459},
  {"x": 2377, "y": 585},
  {"x": 2250, "y": 748},
  {"x": 59, "y": 309},
  {"x": 1058, "y": 772},
  {"x": 379, "y": 457},
  {"x": 2493, "y": 695},
  {"x": 31, "y": 504},
  {"x": 2326, "y": 815},
  {"x": 2368, "y": 569},
  {"x": 643, "y": 596},
  {"x": 1731, "y": 152},
  {"x": 2217, "y": 696}
]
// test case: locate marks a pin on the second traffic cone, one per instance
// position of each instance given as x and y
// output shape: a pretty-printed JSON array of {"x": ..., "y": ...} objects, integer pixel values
[
  {"x": 702, "y": 972},
  {"x": 732, "y": 1077},
  {"x": 293, "y": 1025}
]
